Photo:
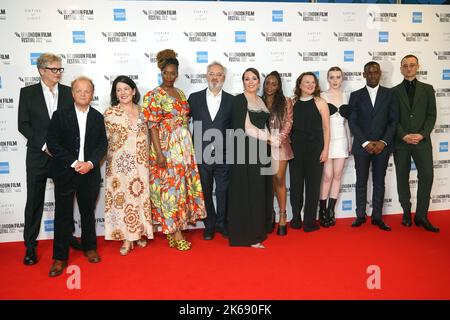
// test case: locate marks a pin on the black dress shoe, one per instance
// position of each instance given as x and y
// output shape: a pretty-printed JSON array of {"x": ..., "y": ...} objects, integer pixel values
[
  {"x": 424, "y": 222},
  {"x": 222, "y": 230},
  {"x": 406, "y": 220},
  {"x": 358, "y": 222},
  {"x": 30, "y": 257},
  {"x": 311, "y": 228},
  {"x": 296, "y": 223},
  {"x": 75, "y": 244},
  {"x": 381, "y": 225},
  {"x": 208, "y": 234}
]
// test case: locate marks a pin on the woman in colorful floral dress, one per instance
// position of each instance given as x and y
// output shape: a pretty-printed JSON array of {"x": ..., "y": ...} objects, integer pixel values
[
  {"x": 175, "y": 188},
  {"x": 127, "y": 190}
]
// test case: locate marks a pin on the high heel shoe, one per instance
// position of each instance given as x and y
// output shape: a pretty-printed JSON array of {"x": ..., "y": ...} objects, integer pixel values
[
  {"x": 323, "y": 218},
  {"x": 258, "y": 245},
  {"x": 183, "y": 245},
  {"x": 171, "y": 240},
  {"x": 126, "y": 247},
  {"x": 282, "y": 229},
  {"x": 142, "y": 243}
]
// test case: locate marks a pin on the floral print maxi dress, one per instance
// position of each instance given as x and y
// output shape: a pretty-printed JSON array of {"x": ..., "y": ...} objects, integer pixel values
[
  {"x": 127, "y": 204},
  {"x": 175, "y": 191}
]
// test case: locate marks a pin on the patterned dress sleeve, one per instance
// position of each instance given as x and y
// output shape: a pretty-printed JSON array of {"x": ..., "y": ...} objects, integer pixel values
[
  {"x": 287, "y": 122},
  {"x": 151, "y": 108}
]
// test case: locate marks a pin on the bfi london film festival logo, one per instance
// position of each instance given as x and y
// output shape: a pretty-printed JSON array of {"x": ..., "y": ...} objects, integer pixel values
[
  {"x": 196, "y": 78},
  {"x": 2, "y": 14},
  {"x": 6, "y": 103},
  {"x": 348, "y": 36},
  {"x": 8, "y": 145},
  {"x": 5, "y": 59},
  {"x": 120, "y": 36},
  {"x": 119, "y": 14},
  {"x": 443, "y": 17},
  {"x": 438, "y": 129},
  {"x": 313, "y": 56},
  {"x": 383, "y": 55},
  {"x": 441, "y": 164},
  {"x": 442, "y": 92},
  {"x": 11, "y": 228},
  {"x": 77, "y": 14},
  {"x": 376, "y": 16},
  {"x": 113, "y": 77},
  {"x": 347, "y": 188},
  {"x": 81, "y": 58},
  {"x": 239, "y": 15},
  {"x": 151, "y": 56},
  {"x": 34, "y": 37},
  {"x": 313, "y": 16},
  {"x": 353, "y": 76},
  {"x": 442, "y": 55},
  {"x": 440, "y": 198},
  {"x": 8, "y": 187},
  {"x": 240, "y": 56},
  {"x": 161, "y": 15},
  {"x": 27, "y": 81},
  {"x": 277, "y": 36},
  {"x": 200, "y": 15},
  {"x": 422, "y": 74},
  {"x": 416, "y": 36},
  {"x": 201, "y": 36}
]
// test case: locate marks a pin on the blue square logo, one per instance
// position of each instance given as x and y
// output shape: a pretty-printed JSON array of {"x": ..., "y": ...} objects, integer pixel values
[
  {"x": 79, "y": 37},
  {"x": 443, "y": 146},
  {"x": 49, "y": 225},
  {"x": 202, "y": 56},
  {"x": 317, "y": 73},
  {"x": 33, "y": 57},
  {"x": 120, "y": 14},
  {"x": 417, "y": 17},
  {"x": 383, "y": 36},
  {"x": 446, "y": 74},
  {"x": 349, "y": 56},
  {"x": 277, "y": 15},
  {"x": 413, "y": 165},
  {"x": 4, "y": 167},
  {"x": 346, "y": 205},
  {"x": 240, "y": 36}
]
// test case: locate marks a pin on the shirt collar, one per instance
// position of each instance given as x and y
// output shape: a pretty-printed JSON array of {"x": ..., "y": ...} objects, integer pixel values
[
  {"x": 46, "y": 88},
  {"x": 81, "y": 112},
  {"x": 408, "y": 83},
  {"x": 210, "y": 94},
  {"x": 372, "y": 90}
]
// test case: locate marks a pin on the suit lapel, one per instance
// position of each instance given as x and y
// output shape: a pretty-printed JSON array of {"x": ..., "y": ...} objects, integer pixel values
[
  {"x": 41, "y": 100},
  {"x": 204, "y": 105},
  {"x": 221, "y": 107},
  {"x": 378, "y": 100},
  {"x": 404, "y": 96},
  {"x": 368, "y": 102},
  {"x": 73, "y": 121},
  {"x": 417, "y": 94}
]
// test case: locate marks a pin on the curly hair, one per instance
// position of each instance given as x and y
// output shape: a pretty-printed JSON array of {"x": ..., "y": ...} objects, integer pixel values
[
  {"x": 298, "y": 92},
  {"x": 166, "y": 57},
  {"x": 279, "y": 102}
]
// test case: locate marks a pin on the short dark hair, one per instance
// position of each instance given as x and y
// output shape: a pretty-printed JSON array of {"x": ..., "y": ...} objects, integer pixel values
[
  {"x": 370, "y": 64},
  {"x": 128, "y": 81},
  {"x": 409, "y": 56}
]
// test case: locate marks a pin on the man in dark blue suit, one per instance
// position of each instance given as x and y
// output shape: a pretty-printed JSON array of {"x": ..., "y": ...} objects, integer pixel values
[
  {"x": 373, "y": 123},
  {"x": 211, "y": 115}
]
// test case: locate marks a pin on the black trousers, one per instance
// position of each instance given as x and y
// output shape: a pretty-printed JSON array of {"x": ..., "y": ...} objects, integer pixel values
[
  {"x": 305, "y": 171},
  {"x": 86, "y": 190},
  {"x": 422, "y": 154},
  {"x": 220, "y": 174},
  {"x": 379, "y": 162}
]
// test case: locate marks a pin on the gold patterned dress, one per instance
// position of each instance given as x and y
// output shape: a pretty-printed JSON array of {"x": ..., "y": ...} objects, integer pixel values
[
  {"x": 127, "y": 190},
  {"x": 175, "y": 191}
]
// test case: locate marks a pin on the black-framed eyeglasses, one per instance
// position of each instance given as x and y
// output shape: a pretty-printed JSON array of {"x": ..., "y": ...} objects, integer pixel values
[{"x": 55, "y": 70}]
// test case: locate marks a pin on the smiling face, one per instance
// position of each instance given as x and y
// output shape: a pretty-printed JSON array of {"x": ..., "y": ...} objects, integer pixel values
[
  {"x": 124, "y": 93},
  {"x": 271, "y": 85},
  {"x": 169, "y": 75},
  {"x": 251, "y": 82},
  {"x": 307, "y": 85},
  {"x": 335, "y": 79},
  {"x": 215, "y": 77}
]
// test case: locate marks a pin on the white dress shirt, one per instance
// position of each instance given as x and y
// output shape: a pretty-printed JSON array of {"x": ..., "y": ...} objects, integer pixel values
[
  {"x": 51, "y": 101},
  {"x": 82, "y": 120},
  {"x": 213, "y": 102},
  {"x": 373, "y": 96}
]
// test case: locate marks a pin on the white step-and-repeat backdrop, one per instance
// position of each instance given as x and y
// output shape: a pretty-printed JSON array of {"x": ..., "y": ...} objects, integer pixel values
[{"x": 102, "y": 39}]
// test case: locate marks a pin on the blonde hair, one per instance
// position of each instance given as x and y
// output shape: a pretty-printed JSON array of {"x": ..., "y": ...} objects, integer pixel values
[{"x": 46, "y": 58}]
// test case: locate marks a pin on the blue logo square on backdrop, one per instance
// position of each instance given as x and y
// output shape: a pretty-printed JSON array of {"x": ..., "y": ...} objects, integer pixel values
[
  {"x": 4, "y": 167},
  {"x": 33, "y": 57},
  {"x": 202, "y": 56},
  {"x": 240, "y": 36},
  {"x": 120, "y": 14},
  {"x": 417, "y": 17},
  {"x": 48, "y": 225},
  {"x": 446, "y": 74},
  {"x": 277, "y": 15},
  {"x": 79, "y": 37},
  {"x": 349, "y": 56},
  {"x": 383, "y": 36},
  {"x": 317, "y": 73},
  {"x": 346, "y": 205},
  {"x": 443, "y": 146}
]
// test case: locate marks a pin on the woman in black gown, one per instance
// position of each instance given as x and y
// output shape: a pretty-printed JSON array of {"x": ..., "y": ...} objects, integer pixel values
[{"x": 250, "y": 189}]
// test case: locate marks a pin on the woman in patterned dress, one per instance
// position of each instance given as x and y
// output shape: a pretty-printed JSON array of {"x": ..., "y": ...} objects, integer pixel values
[
  {"x": 127, "y": 207},
  {"x": 175, "y": 190}
]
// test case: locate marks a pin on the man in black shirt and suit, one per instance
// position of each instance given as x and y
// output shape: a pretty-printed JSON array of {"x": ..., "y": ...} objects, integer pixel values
[
  {"x": 211, "y": 115},
  {"x": 36, "y": 106},
  {"x": 417, "y": 105},
  {"x": 77, "y": 140},
  {"x": 373, "y": 123}
]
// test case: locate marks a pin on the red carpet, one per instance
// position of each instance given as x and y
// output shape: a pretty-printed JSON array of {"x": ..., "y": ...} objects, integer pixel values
[{"x": 328, "y": 264}]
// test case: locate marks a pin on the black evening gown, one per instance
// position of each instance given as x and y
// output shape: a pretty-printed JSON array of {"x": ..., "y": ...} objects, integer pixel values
[{"x": 250, "y": 192}]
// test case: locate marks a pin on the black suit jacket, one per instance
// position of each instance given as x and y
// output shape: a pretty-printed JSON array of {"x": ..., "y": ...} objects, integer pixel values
[
  {"x": 63, "y": 141},
  {"x": 33, "y": 120},
  {"x": 200, "y": 113},
  {"x": 418, "y": 118},
  {"x": 372, "y": 123}
]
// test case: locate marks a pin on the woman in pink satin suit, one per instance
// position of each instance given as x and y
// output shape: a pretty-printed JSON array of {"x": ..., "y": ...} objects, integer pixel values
[{"x": 280, "y": 123}]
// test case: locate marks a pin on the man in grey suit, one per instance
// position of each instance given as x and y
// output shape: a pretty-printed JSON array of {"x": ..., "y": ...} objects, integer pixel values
[{"x": 417, "y": 105}]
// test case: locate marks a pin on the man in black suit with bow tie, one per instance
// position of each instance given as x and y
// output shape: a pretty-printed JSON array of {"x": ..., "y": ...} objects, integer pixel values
[
  {"x": 417, "y": 105},
  {"x": 211, "y": 115},
  {"x": 36, "y": 106},
  {"x": 373, "y": 123}
]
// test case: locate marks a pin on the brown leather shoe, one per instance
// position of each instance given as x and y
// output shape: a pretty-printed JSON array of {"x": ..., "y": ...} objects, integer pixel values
[
  {"x": 57, "y": 268},
  {"x": 92, "y": 256}
]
